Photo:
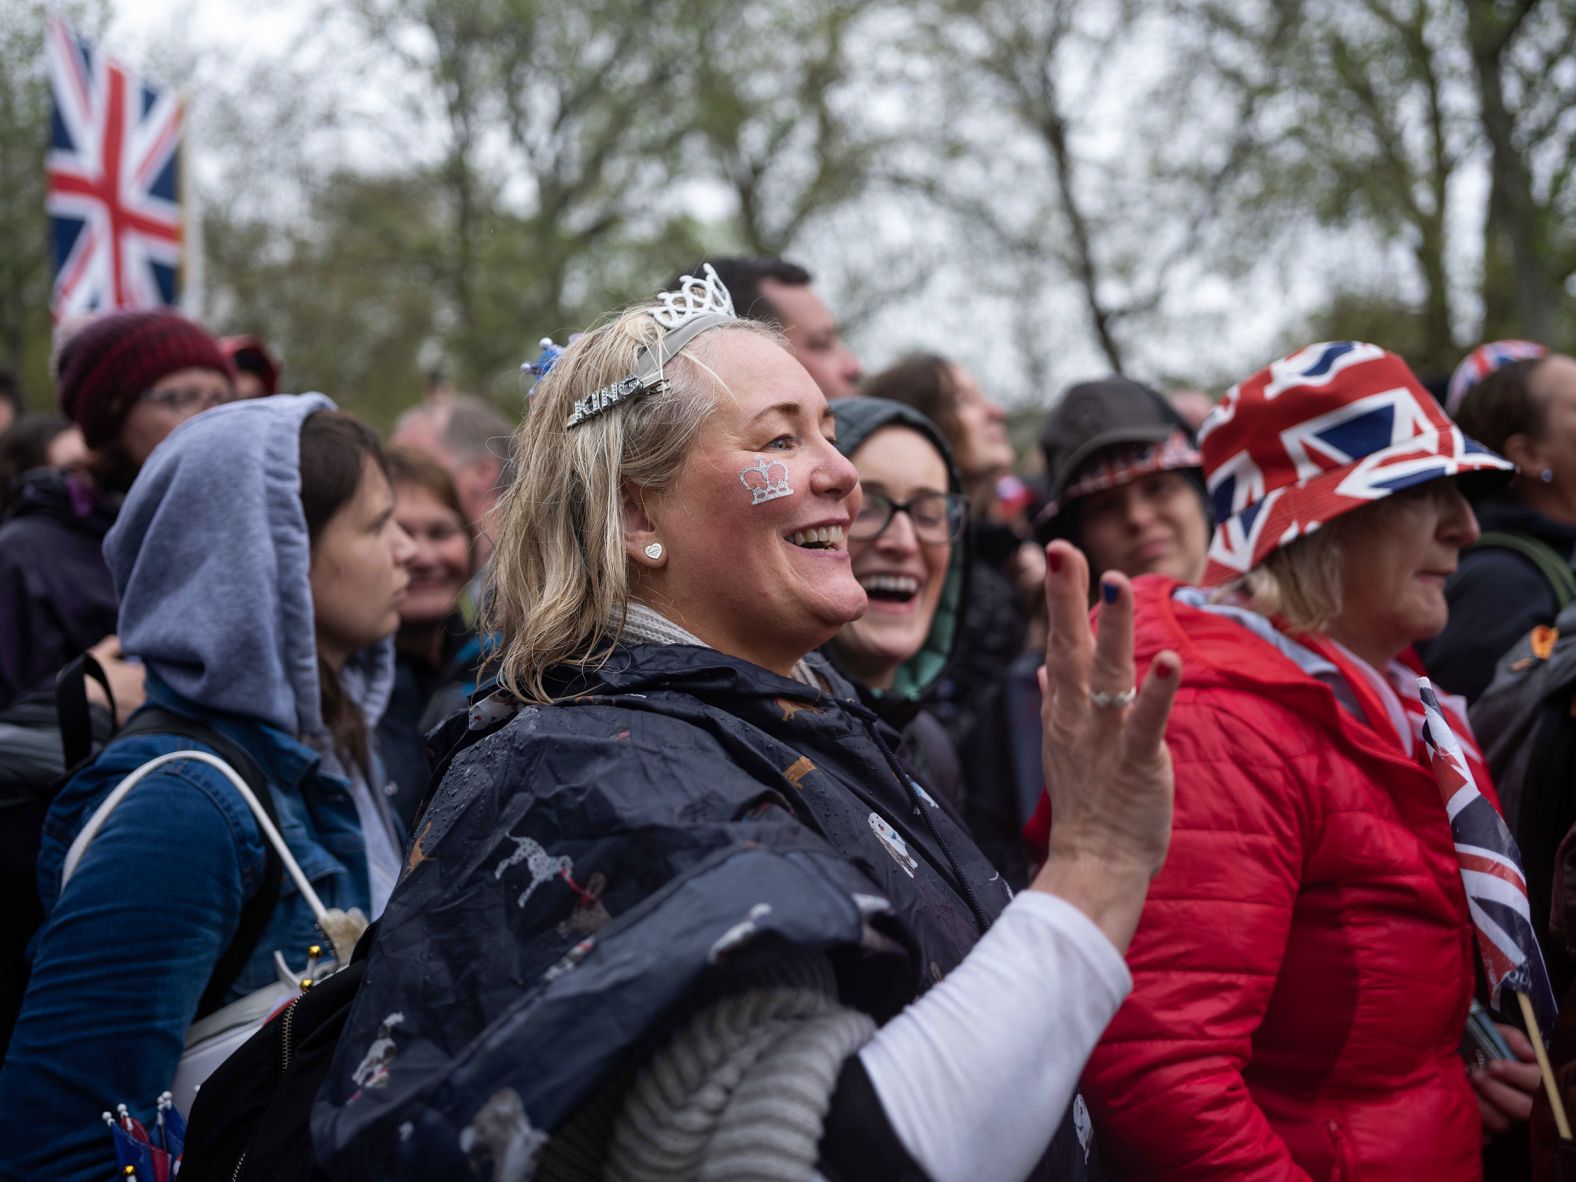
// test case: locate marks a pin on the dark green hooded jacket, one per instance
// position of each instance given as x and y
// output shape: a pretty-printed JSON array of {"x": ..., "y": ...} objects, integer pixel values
[{"x": 926, "y": 746}]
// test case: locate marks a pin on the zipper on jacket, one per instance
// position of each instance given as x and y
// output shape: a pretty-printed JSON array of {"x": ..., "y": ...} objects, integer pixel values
[
  {"x": 286, "y": 1033},
  {"x": 1341, "y": 1167},
  {"x": 286, "y": 1039}
]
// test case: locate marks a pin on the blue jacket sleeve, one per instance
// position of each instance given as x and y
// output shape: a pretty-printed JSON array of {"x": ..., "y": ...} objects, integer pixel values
[{"x": 118, "y": 970}]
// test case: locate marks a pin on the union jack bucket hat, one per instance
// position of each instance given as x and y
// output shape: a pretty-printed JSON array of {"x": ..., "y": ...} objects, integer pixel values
[
  {"x": 1329, "y": 429},
  {"x": 1485, "y": 360}
]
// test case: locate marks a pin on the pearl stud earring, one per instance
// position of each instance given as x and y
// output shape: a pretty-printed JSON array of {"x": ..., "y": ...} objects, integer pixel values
[{"x": 654, "y": 551}]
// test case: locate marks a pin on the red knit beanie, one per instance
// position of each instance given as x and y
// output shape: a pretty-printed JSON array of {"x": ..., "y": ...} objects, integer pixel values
[{"x": 104, "y": 364}]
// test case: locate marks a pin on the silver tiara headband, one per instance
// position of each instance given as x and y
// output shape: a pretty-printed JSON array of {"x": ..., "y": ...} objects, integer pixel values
[{"x": 683, "y": 315}]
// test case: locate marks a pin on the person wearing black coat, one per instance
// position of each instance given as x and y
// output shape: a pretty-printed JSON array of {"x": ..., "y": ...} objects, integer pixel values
[
  {"x": 56, "y": 597},
  {"x": 972, "y": 701},
  {"x": 676, "y": 908},
  {"x": 437, "y": 653},
  {"x": 127, "y": 379},
  {"x": 1518, "y": 399},
  {"x": 1497, "y": 595}
]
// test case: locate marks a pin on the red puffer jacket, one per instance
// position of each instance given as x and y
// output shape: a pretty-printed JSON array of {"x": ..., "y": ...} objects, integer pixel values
[{"x": 1303, "y": 967}]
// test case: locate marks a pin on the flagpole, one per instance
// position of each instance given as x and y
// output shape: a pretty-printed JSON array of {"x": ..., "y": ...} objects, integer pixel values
[
  {"x": 193, "y": 270},
  {"x": 1487, "y": 830},
  {"x": 182, "y": 270},
  {"x": 1561, "y": 1121}
]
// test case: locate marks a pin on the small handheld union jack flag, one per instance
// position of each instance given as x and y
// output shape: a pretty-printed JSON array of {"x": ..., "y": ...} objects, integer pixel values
[
  {"x": 114, "y": 183},
  {"x": 1491, "y": 872}
]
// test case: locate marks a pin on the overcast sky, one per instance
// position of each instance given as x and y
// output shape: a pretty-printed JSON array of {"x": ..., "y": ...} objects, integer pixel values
[
  {"x": 1209, "y": 328},
  {"x": 268, "y": 27}
]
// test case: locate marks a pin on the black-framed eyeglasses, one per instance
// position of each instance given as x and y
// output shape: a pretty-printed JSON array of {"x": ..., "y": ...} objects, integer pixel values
[{"x": 938, "y": 518}]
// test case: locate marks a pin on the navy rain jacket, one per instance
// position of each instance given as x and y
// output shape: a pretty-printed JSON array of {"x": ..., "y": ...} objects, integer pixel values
[{"x": 587, "y": 867}]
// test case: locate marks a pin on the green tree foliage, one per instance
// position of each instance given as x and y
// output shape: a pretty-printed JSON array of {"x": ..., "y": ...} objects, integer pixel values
[
  {"x": 545, "y": 184},
  {"x": 24, "y": 241},
  {"x": 1011, "y": 159},
  {"x": 347, "y": 294},
  {"x": 1351, "y": 113},
  {"x": 1524, "y": 59},
  {"x": 1373, "y": 118},
  {"x": 423, "y": 185},
  {"x": 776, "y": 116}
]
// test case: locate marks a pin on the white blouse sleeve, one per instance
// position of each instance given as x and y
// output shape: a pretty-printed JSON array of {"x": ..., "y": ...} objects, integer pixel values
[{"x": 976, "y": 1074}]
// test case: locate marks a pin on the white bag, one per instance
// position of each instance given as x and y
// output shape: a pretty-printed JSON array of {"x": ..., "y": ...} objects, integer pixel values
[{"x": 211, "y": 1039}]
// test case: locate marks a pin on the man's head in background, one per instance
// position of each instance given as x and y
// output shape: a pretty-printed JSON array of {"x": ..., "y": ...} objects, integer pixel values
[
  {"x": 779, "y": 292},
  {"x": 471, "y": 440},
  {"x": 256, "y": 369},
  {"x": 1193, "y": 405}
]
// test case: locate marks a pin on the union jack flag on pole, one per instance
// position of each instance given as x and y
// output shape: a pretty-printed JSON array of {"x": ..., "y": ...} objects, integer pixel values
[
  {"x": 114, "y": 182},
  {"x": 1491, "y": 872}
]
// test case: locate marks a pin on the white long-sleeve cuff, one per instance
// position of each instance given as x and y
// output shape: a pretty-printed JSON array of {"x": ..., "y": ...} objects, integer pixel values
[{"x": 976, "y": 1075}]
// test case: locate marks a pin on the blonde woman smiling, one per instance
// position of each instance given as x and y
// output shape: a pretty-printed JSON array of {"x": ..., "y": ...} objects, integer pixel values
[{"x": 677, "y": 909}]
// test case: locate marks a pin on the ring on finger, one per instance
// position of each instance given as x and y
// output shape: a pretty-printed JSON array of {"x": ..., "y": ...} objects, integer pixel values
[{"x": 1106, "y": 700}]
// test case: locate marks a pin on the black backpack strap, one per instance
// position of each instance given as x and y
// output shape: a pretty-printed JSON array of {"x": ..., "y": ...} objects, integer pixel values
[
  {"x": 257, "y": 910},
  {"x": 1557, "y": 570},
  {"x": 71, "y": 706}
]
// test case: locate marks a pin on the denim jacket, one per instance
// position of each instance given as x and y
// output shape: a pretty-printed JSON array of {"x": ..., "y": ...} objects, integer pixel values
[{"x": 127, "y": 949}]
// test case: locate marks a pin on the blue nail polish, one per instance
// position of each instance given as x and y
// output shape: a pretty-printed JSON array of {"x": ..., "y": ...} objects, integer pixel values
[{"x": 1108, "y": 592}]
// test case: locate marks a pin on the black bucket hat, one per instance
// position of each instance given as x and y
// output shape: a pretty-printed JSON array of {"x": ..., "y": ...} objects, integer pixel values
[{"x": 1094, "y": 416}]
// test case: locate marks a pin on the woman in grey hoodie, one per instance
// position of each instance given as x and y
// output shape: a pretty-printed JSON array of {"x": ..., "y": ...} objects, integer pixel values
[{"x": 259, "y": 573}]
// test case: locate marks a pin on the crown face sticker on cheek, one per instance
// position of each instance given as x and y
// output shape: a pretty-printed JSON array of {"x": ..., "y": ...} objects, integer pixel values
[{"x": 766, "y": 479}]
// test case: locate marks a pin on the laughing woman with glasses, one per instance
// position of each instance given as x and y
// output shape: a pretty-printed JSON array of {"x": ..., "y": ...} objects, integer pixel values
[{"x": 907, "y": 550}]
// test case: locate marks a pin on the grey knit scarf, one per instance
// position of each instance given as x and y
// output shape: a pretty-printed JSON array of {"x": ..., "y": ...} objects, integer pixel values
[{"x": 739, "y": 1091}]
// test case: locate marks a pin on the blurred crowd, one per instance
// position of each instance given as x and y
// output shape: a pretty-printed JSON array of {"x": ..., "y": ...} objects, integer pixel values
[{"x": 582, "y": 648}]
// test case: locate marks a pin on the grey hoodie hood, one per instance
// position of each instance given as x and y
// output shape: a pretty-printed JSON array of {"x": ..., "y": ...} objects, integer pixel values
[{"x": 210, "y": 558}]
